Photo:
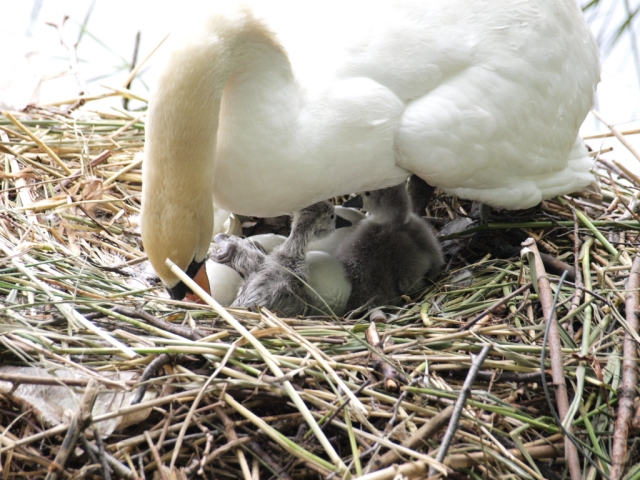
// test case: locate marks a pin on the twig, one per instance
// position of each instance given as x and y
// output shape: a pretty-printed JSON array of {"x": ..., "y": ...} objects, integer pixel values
[
  {"x": 136, "y": 48},
  {"x": 555, "y": 355},
  {"x": 160, "y": 468},
  {"x": 33, "y": 380},
  {"x": 106, "y": 471},
  {"x": 232, "y": 436},
  {"x": 80, "y": 421},
  {"x": 391, "y": 377},
  {"x": 425, "y": 431},
  {"x": 458, "y": 461},
  {"x": 628, "y": 386},
  {"x": 486, "y": 312},
  {"x": 73, "y": 53},
  {"x": 335, "y": 413},
  {"x": 543, "y": 380},
  {"x": 264, "y": 456},
  {"x": 489, "y": 375},
  {"x": 618, "y": 135},
  {"x": 219, "y": 451},
  {"x": 155, "y": 365},
  {"x": 577, "y": 295},
  {"x": 465, "y": 392},
  {"x": 195, "y": 403}
]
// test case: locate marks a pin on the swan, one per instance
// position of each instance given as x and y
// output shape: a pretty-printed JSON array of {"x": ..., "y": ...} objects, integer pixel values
[
  {"x": 279, "y": 282},
  {"x": 392, "y": 252},
  {"x": 271, "y": 106}
]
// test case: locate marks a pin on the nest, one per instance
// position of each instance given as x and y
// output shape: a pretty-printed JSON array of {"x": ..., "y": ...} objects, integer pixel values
[{"x": 235, "y": 394}]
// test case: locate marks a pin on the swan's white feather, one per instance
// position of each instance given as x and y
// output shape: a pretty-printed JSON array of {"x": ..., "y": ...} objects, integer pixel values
[{"x": 275, "y": 106}]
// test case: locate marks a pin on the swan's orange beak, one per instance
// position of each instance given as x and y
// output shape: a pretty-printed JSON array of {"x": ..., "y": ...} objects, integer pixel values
[{"x": 202, "y": 279}]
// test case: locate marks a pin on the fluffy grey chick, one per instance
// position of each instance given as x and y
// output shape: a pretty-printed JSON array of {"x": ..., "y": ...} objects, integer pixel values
[
  {"x": 242, "y": 254},
  {"x": 279, "y": 282},
  {"x": 392, "y": 252}
]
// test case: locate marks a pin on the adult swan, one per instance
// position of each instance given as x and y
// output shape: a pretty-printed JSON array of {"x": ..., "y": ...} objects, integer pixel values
[{"x": 277, "y": 106}]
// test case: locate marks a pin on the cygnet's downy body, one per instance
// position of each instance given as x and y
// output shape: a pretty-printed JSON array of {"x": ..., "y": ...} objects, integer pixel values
[
  {"x": 328, "y": 244},
  {"x": 328, "y": 288},
  {"x": 242, "y": 254},
  {"x": 279, "y": 283},
  {"x": 392, "y": 252}
]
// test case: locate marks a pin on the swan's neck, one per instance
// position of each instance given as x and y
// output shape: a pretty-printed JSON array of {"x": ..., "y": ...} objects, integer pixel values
[{"x": 228, "y": 53}]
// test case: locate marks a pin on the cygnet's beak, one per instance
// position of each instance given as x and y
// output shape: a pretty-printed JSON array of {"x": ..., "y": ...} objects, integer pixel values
[
  {"x": 342, "y": 222},
  {"x": 354, "y": 202},
  {"x": 202, "y": 279}
]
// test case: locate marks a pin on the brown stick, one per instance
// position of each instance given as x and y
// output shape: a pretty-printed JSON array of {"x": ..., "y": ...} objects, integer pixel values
[
  {"x": 555, "y": 355},
  {"x": 578, "y": 294},
  {"x": 391, "y": 377},
  {"x": 33, "y": 380},
  {"x": 487, "y": 311},
  {"x": 194, "y": 335},
  {"x": 160, "y": 468},
  {"x": 627, "y": 389},
  {"x": 219, "y": 451},
  {"x": 425, "y": 431},
  {"x": 232, "y": 439},
  {"x": 458, "y": 461},
  {"x": 153, "y": 368},
  {"x": 264, "y": 456},
  {"x": 80, "y": 421},
  {"x": 465, "y": 393}
]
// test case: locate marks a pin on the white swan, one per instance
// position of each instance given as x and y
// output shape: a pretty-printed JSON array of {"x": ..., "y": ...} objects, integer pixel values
[{"x": 272, "y": 108}]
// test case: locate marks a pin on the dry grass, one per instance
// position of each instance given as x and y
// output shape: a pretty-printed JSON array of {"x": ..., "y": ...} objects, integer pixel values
[{"x": 260, "y": 408}]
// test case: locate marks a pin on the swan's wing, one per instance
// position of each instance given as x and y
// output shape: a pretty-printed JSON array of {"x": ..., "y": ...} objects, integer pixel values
[{"x": 503, "y": 130}]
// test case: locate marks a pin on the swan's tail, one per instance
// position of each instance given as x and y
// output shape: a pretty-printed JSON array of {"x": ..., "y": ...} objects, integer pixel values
[{"x": 528, "y": 191}]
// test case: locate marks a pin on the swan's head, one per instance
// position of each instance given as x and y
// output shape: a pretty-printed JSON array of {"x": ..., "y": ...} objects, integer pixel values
[
  {"x": 179, "y": 228},
  {"x": 388, "y": 204}
]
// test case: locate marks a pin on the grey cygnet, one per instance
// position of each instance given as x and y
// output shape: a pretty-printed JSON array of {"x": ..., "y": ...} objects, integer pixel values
[
  {"x": 278, "y": 284},
  {"x": 392, "y": 252},
  {"x": 242, "y": 254}
]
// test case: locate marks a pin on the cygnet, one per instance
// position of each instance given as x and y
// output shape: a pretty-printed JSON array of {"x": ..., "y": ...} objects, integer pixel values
[
  {"x": 392, "y": 252},
  {"x": 331, "y": 243},
  {"x": 241, "y": 254},
  {"x": 279, "y": 283}
]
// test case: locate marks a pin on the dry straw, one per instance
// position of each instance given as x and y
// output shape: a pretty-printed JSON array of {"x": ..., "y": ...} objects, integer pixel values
[{"x": 289, "y": 398}]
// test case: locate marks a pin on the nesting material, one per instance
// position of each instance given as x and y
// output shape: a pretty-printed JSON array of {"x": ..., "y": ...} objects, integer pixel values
[{"x": 72, "y": 255}]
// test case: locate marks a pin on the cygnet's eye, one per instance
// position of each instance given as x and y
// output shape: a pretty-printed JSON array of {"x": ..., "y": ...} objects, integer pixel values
[
  {"x": 367, "y": 194},
  {"x": 332, "y": 216}
]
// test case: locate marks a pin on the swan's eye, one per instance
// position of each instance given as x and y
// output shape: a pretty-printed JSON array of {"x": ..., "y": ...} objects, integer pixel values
[
  {"x": 367, "y": 194},
  {"x": 332, "y": 217}
]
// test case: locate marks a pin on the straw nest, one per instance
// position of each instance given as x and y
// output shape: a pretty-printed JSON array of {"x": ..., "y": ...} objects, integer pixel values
[{"x": 250, "y": 395}]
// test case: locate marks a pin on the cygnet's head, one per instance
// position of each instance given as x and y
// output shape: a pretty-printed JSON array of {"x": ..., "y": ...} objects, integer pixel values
[
  {"x": 317, "y": 221},
  {"x": 388, "y": 204}
]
